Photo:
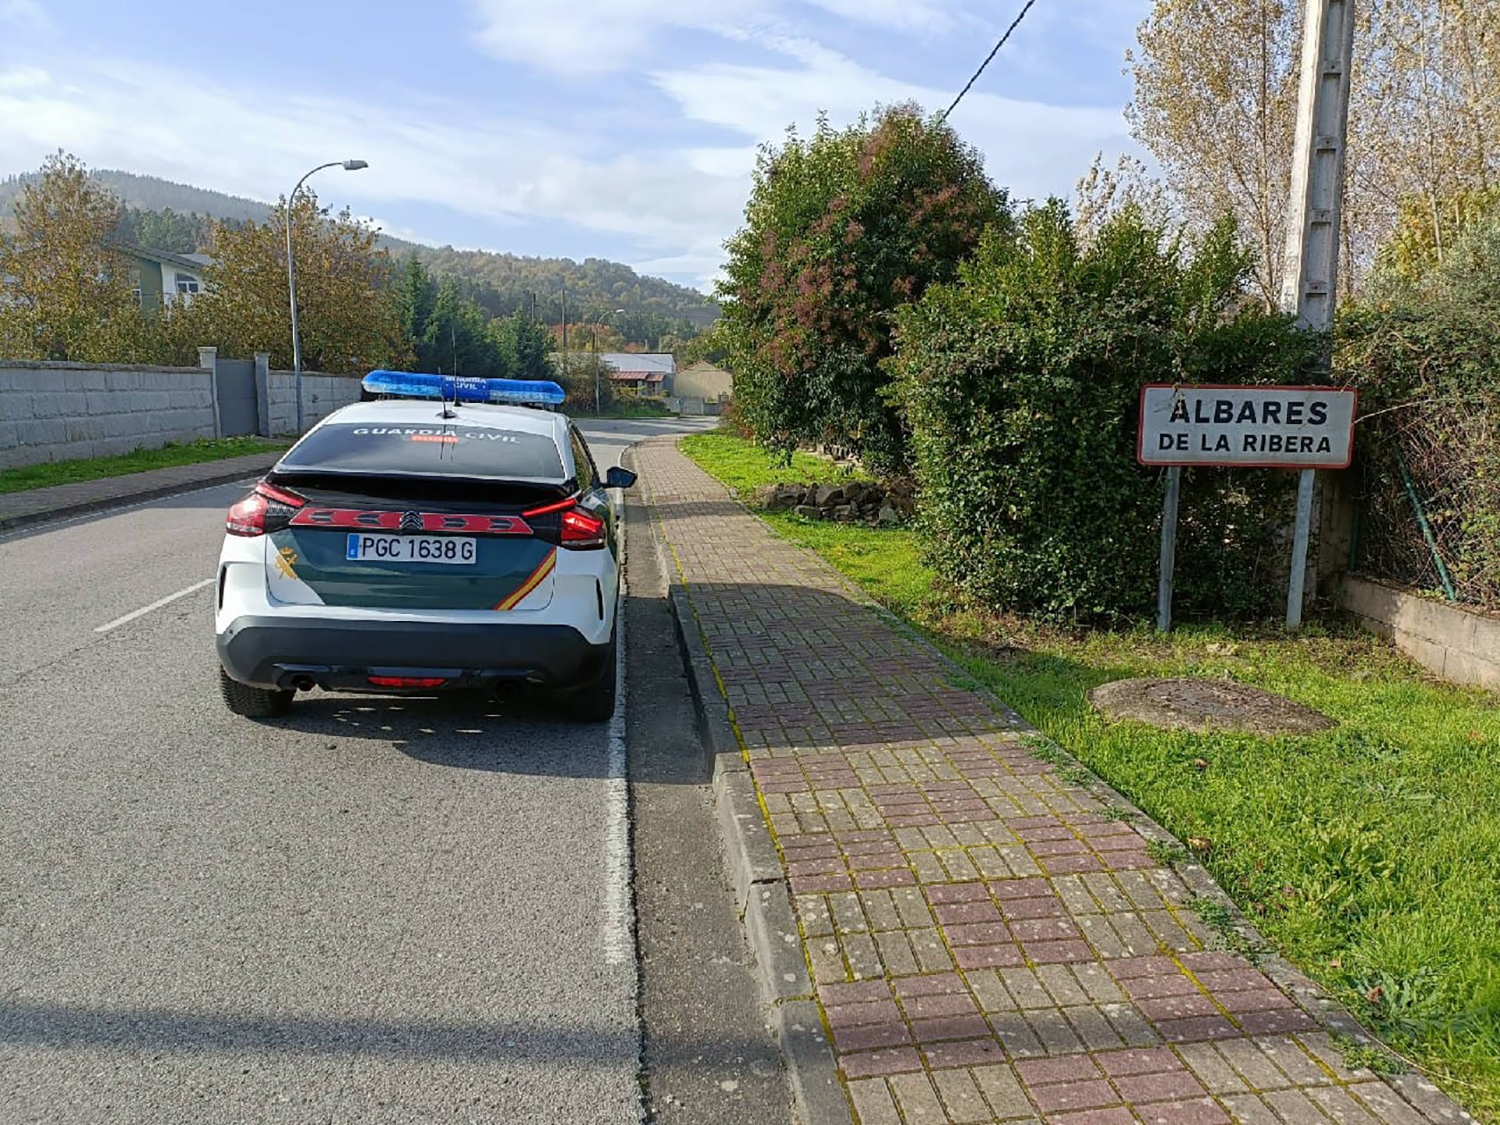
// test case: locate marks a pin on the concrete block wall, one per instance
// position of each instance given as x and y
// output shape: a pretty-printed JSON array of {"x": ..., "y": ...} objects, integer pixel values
[
  {"x": 59, "y": 411},
  {"x": 321, "y": 396},
  {"x": 1458, "y": 644}
]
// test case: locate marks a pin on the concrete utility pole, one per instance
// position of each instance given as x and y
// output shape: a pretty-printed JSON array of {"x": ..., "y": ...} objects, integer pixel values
[{"x": 1310, "y": 288}]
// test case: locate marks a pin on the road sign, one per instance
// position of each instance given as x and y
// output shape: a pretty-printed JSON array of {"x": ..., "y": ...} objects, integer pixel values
[{"x": 1248, "y": 427}]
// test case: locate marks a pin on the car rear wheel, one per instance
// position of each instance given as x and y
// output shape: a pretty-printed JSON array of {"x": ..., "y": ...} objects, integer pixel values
[
  {"x": 253, "y": 702},
  {"x": 595, "y": 701}
]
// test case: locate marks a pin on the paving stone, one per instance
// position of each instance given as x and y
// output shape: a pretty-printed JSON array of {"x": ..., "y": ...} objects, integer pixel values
[
  {"x": 864, "y": 1064},
  {"x": 961, "y": 1097},
  {"x": 920, "y": 837},
  {"x": 1293, "y": 1107},
  {"x": 918, "y": 1100},
  {"x": 872, "y": 1101}
]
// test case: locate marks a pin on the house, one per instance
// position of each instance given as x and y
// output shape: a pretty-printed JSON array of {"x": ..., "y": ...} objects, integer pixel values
[
  {"x": 703, "y": 380},
  {"x": 160, "y": 276},
  {"x": 646, "y": 373}
]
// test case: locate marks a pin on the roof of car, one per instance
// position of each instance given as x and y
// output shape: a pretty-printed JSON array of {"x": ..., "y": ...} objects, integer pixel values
[{"x": 426, "y": 412}]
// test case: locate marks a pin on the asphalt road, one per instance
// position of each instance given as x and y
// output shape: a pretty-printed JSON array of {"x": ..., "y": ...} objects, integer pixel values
[{"x": 371, "y": 911}]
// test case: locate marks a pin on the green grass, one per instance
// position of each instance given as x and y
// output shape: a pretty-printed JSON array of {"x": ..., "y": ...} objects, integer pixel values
[
  {"x": 744, "y": 467},
  {"x": 1369, "y": 855},
  {"x": 95, "y": 468}
]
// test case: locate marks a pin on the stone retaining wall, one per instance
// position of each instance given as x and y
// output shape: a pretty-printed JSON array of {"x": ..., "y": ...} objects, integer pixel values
[
  {"x": 51, "y": 411},
  {"x": 321, "y": 396},
  {"x": 59, "y": 411},
  {"x": 1456, "y": 643}
]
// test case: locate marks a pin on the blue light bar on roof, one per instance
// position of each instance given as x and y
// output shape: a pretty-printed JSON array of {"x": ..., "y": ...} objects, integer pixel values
[{"x": 464, "y": 388}]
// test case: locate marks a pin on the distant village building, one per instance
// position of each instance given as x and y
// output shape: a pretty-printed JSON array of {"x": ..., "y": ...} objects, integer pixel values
[
  {"x": 647, "y": 373},
  {"x": 701, "y": 388},
  {"x": 159, "y": 277}
]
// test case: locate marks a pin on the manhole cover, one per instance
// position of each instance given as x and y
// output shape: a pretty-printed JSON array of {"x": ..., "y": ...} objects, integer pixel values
[{"x": 1205, "y": 705}]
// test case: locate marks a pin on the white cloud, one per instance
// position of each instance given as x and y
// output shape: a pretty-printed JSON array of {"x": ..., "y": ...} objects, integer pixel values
[
  {"x": 23, "y": 13},
  {"x": 1032, "y": 148},
  {"x": 605, "y": 36},
  {"x": 256, "y": 142},
  {"x": 595, "y": 36},
  {"x": 23, "y": 78}
]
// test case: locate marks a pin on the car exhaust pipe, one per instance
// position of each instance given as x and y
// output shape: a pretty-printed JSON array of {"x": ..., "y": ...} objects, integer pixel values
[{"x": 303, "y": 683}]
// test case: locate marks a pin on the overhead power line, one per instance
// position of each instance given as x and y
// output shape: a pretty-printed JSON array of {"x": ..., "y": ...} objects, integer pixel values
[{"x": 1014, "y": 24}]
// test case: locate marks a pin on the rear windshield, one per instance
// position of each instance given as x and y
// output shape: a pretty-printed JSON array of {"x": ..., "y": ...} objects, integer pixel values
[{"x": 432, "y": 451}]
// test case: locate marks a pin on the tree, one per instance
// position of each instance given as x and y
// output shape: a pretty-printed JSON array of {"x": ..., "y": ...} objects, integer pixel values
[
  {"x": 457, "y": 339},
  {"x": 346, "y": 307},
  {"x": 1216, "y": 102},
  {"x": 840, "y": 230},
  {"x": 1104, "y": 192},
  {"x": 68, "y": 294},
  {"x": 523, "y": 343}
]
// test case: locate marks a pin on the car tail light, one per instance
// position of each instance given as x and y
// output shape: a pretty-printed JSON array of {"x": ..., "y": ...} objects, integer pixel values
[
  {"x": 582, "y": 531},
  {"x": 265, "y": 504},
  {"x": 407, "y": 681}
]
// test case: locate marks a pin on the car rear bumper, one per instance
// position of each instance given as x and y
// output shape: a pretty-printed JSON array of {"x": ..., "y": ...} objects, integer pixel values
[{"x": 284, "y": 652}]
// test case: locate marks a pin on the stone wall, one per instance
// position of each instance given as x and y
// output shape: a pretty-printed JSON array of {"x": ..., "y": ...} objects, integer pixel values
[
  {"x": 1456, "y": 643},
  {"x": 321, "y": 396},
  {"x": 63, "y": 411},
  {"x": 59, "y": 411}
]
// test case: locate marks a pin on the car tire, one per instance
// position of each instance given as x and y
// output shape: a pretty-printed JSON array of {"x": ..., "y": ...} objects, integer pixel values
[
  {"x": 253, "y": 702},
  {"x": 594, "y": 702}
]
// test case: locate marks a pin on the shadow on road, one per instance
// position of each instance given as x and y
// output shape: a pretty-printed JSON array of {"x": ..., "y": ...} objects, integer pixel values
[{"x": 134, "y": 1029}]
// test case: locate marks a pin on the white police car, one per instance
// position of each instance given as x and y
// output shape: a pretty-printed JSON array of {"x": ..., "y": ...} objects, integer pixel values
[{"x": 434, "y": 541}]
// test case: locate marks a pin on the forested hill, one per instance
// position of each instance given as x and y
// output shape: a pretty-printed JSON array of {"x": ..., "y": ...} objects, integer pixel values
[{"x": 177, "y": 217}]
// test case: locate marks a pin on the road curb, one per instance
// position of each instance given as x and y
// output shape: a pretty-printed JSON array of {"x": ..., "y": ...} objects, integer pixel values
[
  {"x": 756, "y": 870},
  {"x": 105, "y": 503}
]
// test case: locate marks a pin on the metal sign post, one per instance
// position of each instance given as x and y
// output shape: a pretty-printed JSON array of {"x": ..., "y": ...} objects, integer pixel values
[
  {"x": 1168, "y": 549},
  {"x": 1306, "y": 428}
]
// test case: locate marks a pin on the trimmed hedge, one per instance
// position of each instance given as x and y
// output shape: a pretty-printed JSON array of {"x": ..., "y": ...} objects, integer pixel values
[{"x": 1021, "y": 384}]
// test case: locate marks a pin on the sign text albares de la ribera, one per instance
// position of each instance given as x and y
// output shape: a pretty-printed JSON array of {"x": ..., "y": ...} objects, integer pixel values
[{"x": 1251, "y": 427}]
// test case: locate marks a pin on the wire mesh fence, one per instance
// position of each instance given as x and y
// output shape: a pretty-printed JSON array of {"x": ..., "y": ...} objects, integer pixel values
[{"x": 1430, "y": 498}]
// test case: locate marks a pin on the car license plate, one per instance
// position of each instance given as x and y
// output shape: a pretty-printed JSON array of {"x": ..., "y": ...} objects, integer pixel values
[{"x": 453, "y": 549}]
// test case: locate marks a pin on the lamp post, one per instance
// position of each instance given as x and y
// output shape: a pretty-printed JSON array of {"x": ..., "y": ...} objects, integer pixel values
[
  {"x": 291, "y": 275},
  {"x": 617, "y": 312}
]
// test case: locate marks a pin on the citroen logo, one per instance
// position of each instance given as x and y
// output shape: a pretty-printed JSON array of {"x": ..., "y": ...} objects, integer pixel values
[{"x": 411, "y": 521}]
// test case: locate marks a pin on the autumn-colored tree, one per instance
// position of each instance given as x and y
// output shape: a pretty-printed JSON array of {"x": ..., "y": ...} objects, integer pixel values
[
  {"x": 67, "y": 294},
  {"x": 1104, "y": 192},
  {"x": 1424, "y": 118},
  {"x": 346, "y": 307},
  {"x": 840, "y": 230},
  {"x": 1216, "y": 102}
]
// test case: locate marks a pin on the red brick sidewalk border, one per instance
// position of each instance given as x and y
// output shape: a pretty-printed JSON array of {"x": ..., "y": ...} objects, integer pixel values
[{"x": 983, "y": 937}]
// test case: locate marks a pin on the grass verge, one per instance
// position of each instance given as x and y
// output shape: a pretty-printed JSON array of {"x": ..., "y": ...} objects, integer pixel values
[
  {"x": 1368, "y": 855},
  {"x": 95, "y": 468}
]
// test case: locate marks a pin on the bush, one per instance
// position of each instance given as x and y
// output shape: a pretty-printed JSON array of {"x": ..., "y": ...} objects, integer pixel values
[
  {"x": 1426, "y": 358},
  {"x": 1021, "y": 382},
  {"x": 839, "y": 231}
]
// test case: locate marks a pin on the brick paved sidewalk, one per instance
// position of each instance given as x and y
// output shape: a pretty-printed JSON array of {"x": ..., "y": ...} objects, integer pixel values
[
  {"x": 986, "y": 944},
  {"x": 33, "y": 505}
]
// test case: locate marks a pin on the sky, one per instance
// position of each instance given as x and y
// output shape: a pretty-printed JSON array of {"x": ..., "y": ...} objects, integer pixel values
[{"x": 622, "y": 129}]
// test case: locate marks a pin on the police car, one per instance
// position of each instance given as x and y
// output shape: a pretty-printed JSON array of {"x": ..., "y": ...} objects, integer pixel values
[{"x": 446, "y": 534}]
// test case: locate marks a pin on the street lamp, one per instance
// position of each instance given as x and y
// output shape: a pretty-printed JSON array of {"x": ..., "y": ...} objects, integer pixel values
[
  {"x": 617, "y": 312},
  {"x": 291, "y": 275}
]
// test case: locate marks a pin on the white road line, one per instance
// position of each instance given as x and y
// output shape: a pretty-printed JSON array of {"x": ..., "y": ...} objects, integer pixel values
[
  {"x": 145, "y": 609},
  {"x": 619, "y": 909}
]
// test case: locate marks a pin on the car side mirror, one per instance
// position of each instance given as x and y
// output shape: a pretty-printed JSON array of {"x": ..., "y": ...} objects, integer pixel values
[{"x": 619, "y": 478}]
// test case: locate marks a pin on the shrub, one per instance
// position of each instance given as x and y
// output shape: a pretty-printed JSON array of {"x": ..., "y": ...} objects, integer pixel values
[
  {"x": 1426, "y": 358},
  {"x": 1021, "y": 383},
  {"x": 840, "y": 230}
]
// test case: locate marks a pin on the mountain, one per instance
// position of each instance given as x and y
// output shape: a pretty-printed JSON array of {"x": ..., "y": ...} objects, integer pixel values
[{"x": 502, "y": 283}]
